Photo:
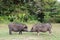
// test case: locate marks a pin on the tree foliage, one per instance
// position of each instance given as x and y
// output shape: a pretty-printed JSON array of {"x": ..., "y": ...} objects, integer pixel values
[{"x": 26, "y": 10}]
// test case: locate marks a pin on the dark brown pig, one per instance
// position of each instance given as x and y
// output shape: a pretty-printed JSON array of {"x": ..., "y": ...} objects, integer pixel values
[
  {"x": 17, "y": 27},
  {"x": 41, "y": 27}
]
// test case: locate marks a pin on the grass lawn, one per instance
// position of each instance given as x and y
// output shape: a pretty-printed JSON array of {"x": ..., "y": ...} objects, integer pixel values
[{"x": 4, "y": 34}]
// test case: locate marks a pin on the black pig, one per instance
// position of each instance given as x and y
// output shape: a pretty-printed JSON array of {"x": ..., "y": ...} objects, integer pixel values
[
  {"x": 17, "y": 27},
  {"x": 41, "y": 27}
]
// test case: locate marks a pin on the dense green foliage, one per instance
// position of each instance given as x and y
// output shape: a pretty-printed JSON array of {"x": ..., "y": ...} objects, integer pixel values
[{"x": 28, "y": 10}]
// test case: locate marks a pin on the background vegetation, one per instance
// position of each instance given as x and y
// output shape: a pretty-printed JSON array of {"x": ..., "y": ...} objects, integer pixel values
[{"x": 28, "y": 11}]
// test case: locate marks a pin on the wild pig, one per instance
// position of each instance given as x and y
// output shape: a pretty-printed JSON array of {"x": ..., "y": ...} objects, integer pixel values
[
  {"x": 17, "y": 27},
  {"x": 41, "y": 27}
]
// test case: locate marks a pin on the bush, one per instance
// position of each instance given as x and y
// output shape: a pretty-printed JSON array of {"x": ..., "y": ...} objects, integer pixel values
[
  {"x": 47, "y": 17},
  {"x": 57, "y": 19}
]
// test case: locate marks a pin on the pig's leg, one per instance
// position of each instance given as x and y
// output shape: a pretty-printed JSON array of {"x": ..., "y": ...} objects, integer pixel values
[
  {"x": 37, "y": 32},
  {"x": 49, "y": 30},
  {"x": 20, "y": 32},
  {"x": 10, "y": 31}
]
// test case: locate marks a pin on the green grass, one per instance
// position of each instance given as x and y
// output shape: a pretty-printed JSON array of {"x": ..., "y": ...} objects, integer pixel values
[{"x": 4, "y": 35}]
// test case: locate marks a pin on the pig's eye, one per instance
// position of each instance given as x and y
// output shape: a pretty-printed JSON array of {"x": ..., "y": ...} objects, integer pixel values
[{"x": 25, "y": 27}]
